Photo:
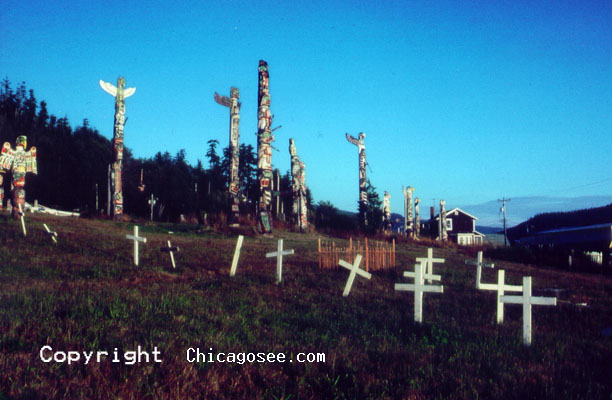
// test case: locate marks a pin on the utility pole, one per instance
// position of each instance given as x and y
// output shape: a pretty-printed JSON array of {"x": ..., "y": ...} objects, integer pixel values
[{"x": 503, "y": 210}]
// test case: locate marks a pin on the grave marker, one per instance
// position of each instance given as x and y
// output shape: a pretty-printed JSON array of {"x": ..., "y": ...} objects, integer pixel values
[
  {"x": 136, "y": 240},
  {"x": 51, "y": 233},
  {"x": 419, "y": 288},
  {"x": 170, "y": 249},
  {"x": 21, "y": 215},
  {"x": 279, "y": 253},
  {"x": 429, "y": 263},
  {"x": 236, "y": 255},
  {"x": 527, "y": 300},
  {"x": 355, "y": 270},
  {"x": 479, "y": 264},
  {"x": 500, "y": 287}
]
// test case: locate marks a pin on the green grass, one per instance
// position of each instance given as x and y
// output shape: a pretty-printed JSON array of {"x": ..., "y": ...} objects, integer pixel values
[{"x": 84, "y": 294}]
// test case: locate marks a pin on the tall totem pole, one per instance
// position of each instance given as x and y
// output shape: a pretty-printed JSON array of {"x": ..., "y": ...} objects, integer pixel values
[
  {"x": 120, "y": 93},
  {"x": 443, "y": 232},
  {"x": 264, "y": 150},
  {"x": 234, "y": 181},
  {"x": 417, "y": 218},
  {"x": 386, "y": 209},
  {"x": 363, "y": 195},
  {"x": 298, "y": 174},
  {"x": 408, "y": 228},
  {"x": 19, "y": 162}
]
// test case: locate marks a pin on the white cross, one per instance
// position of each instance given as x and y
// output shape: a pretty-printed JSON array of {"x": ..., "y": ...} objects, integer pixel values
[
  {"x": 527, "y": 301},
  {"x": 51, "y": 233},
  {"x": 236, "y": 255},
  {"x": 418, "y": 288},
  {"x": 500, "y": 287},
  {"x": 21, "y": 215},
  {"x": 479, "y": 264},
  {"x": 279, "y": 259},
  {"x": 136, "y": 239},
  {"x": 429, "y": 263},
  {"x": 170, "y": 250},
  {"x": 430, "y": 277},
  {"x": 354, "y": 270}
]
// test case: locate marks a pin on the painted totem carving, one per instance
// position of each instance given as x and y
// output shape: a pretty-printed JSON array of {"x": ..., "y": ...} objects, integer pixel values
[
  {"x": 417, "y": 218},
  {"x": 386, "y": 211},
  {"x": 298, "y": 174},
  {"x": 19, "y": 162},
  {"x": 363, "y": 195},
  {"x": 120, "y": 93},
  {"x": 234, "y": 181},
  {"x": 264, "y": 150},
  {"x": 408, "y": 227},
  {"x": 443, "y": 232}
]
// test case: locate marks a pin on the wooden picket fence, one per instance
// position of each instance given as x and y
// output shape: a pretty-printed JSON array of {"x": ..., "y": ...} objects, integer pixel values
[{"x": 375, "y": 255}]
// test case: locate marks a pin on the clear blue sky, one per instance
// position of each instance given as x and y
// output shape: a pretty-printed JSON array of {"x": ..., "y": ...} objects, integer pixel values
[{"x": 466, "y": 101}]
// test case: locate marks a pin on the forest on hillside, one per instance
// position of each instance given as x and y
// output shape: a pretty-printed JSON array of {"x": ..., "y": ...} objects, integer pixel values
[{"x": 73, "y": 170}]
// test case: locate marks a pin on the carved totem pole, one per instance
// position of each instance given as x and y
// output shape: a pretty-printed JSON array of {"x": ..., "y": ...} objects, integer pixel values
[
  {"x": 264, "y": 150},
  {"x": 443, "y": 233},
  {"x": 408, "y": 228},
  {"x": 386, "y": 208},
  {"x": 298, "y": 174},
  {"x": 19, "y": 162},
  {"x": 363, "y": 195},
  {"x": 120, "y": 94},
  {"x": 417, "y": 218},
  {"x": 234, "y": 181}
]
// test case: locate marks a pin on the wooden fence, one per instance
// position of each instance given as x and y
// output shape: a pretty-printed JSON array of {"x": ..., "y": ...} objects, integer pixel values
[{"x": 375, "y": 255}]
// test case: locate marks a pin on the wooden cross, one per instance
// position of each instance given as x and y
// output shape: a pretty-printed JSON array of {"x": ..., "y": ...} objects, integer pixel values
[
  {"x": 51, "y": 233},
  {"x": 236, "y": 255},
  {"x": 21, "y": 215},
  {"x": 279, "y": 253},
  {"x": 527, "y": 301},
  {"x": 500, "y": 287},
  {"x": 479, "y": 264},
  {"x": 355, "y": 270},
  {"x": 429, "y": 263},
  {"x": 170, "y": 249},
  {"x": 136, "y": 239},
  {"x": 152, "y": 202},
  {"x": 419, "y": 288},
  {"x": 429, "y": 277}
]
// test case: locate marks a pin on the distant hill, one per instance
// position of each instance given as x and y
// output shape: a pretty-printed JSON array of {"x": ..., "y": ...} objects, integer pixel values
[{"x": 520, "y": 209}]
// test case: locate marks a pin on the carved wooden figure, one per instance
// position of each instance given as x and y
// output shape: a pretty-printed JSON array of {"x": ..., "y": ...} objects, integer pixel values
[
  {"x": 298, "y": 175},
  {"x": 234, "y": 181},
  {"x": 120, "y": 93},
  {"x": 386, "y": 209},
  {"x": 363, "y": 195},
  {"x": 264, "y": 149},
  {"x": 19, "y": 162},
  {"x": 408, "y": 229}
]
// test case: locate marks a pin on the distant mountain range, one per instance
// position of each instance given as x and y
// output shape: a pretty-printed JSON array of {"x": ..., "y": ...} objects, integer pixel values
[{"x": 520, "y": 209}]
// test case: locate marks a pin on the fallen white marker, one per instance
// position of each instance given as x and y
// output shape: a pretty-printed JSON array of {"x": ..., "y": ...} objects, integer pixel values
[{"x": 355, "y": 270}]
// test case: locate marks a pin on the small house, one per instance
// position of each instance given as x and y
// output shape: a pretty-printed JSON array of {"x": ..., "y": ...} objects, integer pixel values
[{"x": 460, "y": 227}]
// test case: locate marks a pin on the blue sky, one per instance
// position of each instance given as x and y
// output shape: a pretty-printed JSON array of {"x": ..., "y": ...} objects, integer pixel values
[{"x": 466, "y": 101}]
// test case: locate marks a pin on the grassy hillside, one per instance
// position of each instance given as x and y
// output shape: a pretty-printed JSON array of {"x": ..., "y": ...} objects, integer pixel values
[{"x": 84, "y": 294}]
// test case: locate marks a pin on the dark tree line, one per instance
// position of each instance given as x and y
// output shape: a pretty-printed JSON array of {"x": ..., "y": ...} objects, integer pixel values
[{"x": 73, "y": 167}]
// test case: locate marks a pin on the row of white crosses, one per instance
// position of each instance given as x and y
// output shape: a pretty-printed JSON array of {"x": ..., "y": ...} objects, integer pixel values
[
  {"x": 526, "y": 299},
  {"x": 140, "y": 239},
  {"x": 279, "y": 253}
]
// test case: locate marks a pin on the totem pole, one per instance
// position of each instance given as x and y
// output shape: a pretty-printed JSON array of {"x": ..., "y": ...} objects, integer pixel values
[
  {"x": 408, "y": 228},
  {"x": 264, "y": 150},
  {"x": 386, "y": 208},
  {"x": 120, "y": 93},
  {"x": 234, "y": 181},
  {"x": 298, "y": 173},
  {"x": 417, "y": 218},
  {"x": 19, "y": 162},
  {"x": 363, "y": 195},
  {"x": 443, "y": 233}
]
